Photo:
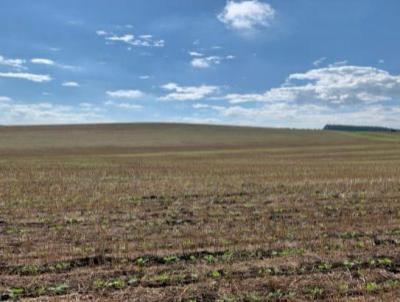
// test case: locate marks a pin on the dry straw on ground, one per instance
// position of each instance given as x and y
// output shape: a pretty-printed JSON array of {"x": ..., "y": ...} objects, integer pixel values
[{"x": 198, "y": 213}]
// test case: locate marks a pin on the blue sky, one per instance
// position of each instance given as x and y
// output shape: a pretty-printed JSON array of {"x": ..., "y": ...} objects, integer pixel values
[{"x": 276, "y": 63}]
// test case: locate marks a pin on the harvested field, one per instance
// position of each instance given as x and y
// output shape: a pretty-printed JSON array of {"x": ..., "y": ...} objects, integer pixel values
[{"x": 169, "y": 212}]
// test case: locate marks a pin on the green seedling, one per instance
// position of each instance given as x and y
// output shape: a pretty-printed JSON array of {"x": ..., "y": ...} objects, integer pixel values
[
  {"x": 371, "y": 287},
  {"x": 324, "y": 267},
  {"x": 115, "y": 283},
  {"x": 210, "y": 259},
  {"x": 59, "y": 289},
  {"x": 170, "y": 259},
  {"x": 215, "y": 274},
  {"x": 16, "y": 292},
  {"x": 291, "y": 251},
  {"x": 316, "y": 292},
  {"x": 133, "y": 281},
  {"x": 162, "y": 278},
  {"x": 29, "y": 270},
  {"x": 142, "y": 261}
]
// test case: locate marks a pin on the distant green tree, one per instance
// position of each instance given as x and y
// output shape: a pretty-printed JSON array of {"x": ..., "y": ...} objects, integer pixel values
[{"x": 358, "y": 128}]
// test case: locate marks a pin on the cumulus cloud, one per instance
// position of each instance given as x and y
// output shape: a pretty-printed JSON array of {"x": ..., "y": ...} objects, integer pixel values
[
  {"x": 4, "y": 99},
  {"x": 131, "y": 40},
  {"x": 305, "y": 115},
  {"x": 195, "y": 54},
  {"x": 70, "y": 84},
  {"x": 46, "y": 113},
  {"x": 101, "y": 33},
  {"x": 247, "y": 15},
  {"x": 42, "y": 61},
  {"x": 335, "y": 94},
  {"x": 125, "y": 94},
  {"x": 14, "y": 63},
  {"x": 187, "y": 93},
  {"x": 26, "y": 76},
  {"x": 205, "y": 62},
  {"x": 202, "y": 61},
  {"x": 123, "y": 105},
  {"x": 333, "y": 85}
]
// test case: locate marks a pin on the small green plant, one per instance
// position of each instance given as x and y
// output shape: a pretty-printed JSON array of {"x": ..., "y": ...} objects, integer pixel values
[
  {"x": 133, "y": 281},
  {"x": 41, "y": 290},
  {"x": 227, "y": 256},
  {"x": 371, "y": 287},
  {"x": 324, "y": 267},
  {"x": 98, "y": 283},
  {"x": 170, "y": 259},
  {"x": 343, "y": 288},
  {"x": 16, "y": 292},
  {"x": 351, "y": 264},
  {"x": 360, "y": 244},
  {"x": 29, "y": 270},
  {"x": 316, "y": 292},
  {"x": 162, "y": 278},
  {"x": 60, "y": 266},
  {"x": 116, "y": 283},
  {"x": 59, "y": 289},
  {"x": 291, "y": 251},
  {"x": 278, "y": 295},
  {"x": 215, "y": 274},
  {"x": 210, "y": 259},
  {"x": 384, "y": 261},
  {"x": 253, "y": 297},
  {"x": 142, "y": 261},
  {"x": 390, "y": 284}
]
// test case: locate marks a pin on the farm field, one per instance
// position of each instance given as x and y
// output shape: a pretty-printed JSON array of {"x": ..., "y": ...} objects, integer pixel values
[{"x": 170, "y": 212}]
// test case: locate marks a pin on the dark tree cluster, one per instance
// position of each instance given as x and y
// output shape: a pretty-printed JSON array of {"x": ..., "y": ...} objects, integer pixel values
[{"x": 359, "y": 128}]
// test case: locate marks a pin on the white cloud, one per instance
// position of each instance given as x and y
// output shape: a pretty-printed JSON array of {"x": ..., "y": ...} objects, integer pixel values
[
  {"x": 273, "y": 95},
  {"x": 123, "y": 105},
  {"x": 101, "y": 33},
  {"x": 48, "y": 62},
  {"x": 14, "y": 63},
  {"x": 132, "y": 40},
  {"x": 318, "y": 62},
  {"x": 124, "y": 38},
  {"x": 195, "y": 54},
  {"x": 201, "y": 106},
  {"x": 333, "y": 85},
  {"x": 70, "y": 84},
  {"x": 247, "y": 15},
  {"x": 46, "y": 113},
  {"x": 126, "y": 94},
  {"x": 196, "y": 120},
  {"x": 26, "y": 76},
  {"x": 199, "y": 60},
  {"x": 206, "y": 62},
  {"x": 42, "y": 61},
  {"x": 335, "y": 94},
  {"x": 144, "y": 77},
  {"x": 305, "y": 115},
  {"x": 5, "y": 99},
  {"x": 188, "y": 93}
]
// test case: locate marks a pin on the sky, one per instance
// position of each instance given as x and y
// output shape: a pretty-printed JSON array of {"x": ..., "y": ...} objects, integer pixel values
[{"x": 272, "y": 63}]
